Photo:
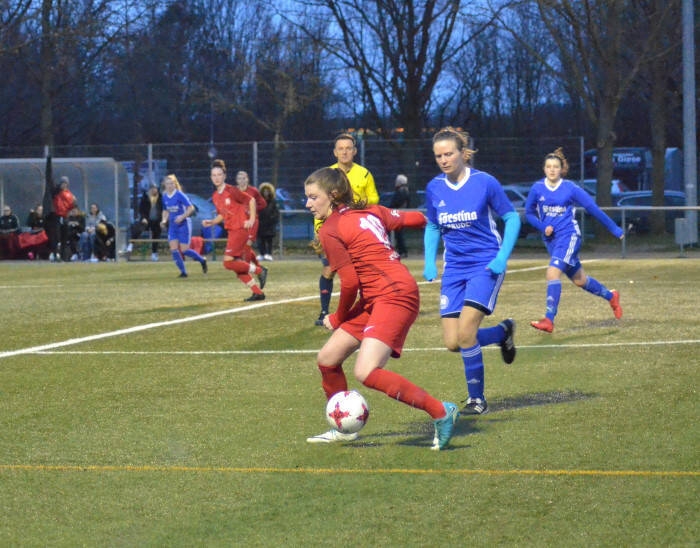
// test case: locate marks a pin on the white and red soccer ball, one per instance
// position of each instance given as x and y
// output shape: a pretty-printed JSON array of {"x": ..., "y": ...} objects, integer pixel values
[{"x": 347, "y": 411}]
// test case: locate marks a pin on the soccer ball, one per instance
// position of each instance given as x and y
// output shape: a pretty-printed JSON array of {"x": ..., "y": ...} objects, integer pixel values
[{"x": 347, "y": 411}]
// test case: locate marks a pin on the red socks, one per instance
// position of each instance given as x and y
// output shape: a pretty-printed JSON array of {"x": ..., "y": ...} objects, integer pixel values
[{"x": 397, "y": 387}]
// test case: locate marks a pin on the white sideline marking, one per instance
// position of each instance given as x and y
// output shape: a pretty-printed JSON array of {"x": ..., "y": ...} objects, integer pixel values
[
  {"x": 46, "y": 348},
  {"x": 144, "y": 327}
]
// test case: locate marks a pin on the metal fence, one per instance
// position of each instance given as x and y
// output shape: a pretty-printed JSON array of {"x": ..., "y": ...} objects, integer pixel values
[{"x": 287, "y": 164}]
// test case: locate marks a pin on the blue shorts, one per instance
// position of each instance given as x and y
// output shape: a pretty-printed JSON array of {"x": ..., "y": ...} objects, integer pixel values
[
  {"x": 564, "y": 254},
  {"x": 181, "y": 232},
  {"x": 478, "y": 290},
  {"x": 324, "y": 260}
]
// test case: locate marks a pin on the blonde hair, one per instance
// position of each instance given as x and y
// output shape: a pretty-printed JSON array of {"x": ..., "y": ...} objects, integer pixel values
[
  {"x": 558, "y": 154},
  {"x": 173, "y": 178},
  {"x": 460, "y": 138}
]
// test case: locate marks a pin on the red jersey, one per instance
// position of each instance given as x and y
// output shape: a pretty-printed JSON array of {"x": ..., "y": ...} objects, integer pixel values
[
  {"x": 233, "y": 205},
  {"x": 357, "y": 245},
  {"x": 63, "y": 202},
  {"x": 260, "y": 202}
]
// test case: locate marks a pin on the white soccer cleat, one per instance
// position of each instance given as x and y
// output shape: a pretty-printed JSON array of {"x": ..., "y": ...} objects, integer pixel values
[{"x": 332, "y": 436}]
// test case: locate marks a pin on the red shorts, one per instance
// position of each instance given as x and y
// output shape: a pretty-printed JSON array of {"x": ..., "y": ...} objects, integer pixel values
[
  {"x": 236, "y": 243},
  {"x": 385, "y": 321}
]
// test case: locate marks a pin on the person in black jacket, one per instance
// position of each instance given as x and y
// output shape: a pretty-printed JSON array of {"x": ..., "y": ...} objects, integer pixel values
[
  {"x": 269, "y": 218},
  {"x": 151, "y": 212}
]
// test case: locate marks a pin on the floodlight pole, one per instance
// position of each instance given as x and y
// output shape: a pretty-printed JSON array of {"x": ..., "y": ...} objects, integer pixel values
[{"x": 690, "y": 166}]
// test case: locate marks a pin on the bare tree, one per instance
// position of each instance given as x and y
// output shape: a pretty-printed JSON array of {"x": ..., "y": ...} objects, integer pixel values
[
  {"x": 395, "y": 51},
  {"x": 659, "y": 83},
  {"x": 602, "y": 45}
]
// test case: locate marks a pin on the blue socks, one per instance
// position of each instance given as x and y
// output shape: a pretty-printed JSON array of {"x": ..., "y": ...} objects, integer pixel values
[
  {"x": 177, "y": 257},
  {"x": 597, "y": 288},
  {"x": 192, "y": 254},
  {"x": 553, "y": 297},
  {"x": 490, "y": 335},
  {"x": 474, "y": 370}
]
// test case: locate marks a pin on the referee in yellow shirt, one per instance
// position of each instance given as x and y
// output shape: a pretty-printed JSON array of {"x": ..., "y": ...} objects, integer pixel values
[{"x": 362, "y": 183}]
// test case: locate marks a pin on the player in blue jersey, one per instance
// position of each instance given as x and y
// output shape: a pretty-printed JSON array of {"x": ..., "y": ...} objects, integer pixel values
[
  {"x": 177, "y": 210},
  {"x": 551, "y": 209},
  {"x": 462, "y": 205}
]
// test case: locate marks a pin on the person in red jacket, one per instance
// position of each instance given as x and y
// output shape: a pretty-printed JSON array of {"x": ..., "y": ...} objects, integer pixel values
[
  {"x": 63, "y": 202},
  {"x": 379, "y": 299},
  {"x": 238, "y": 212}
]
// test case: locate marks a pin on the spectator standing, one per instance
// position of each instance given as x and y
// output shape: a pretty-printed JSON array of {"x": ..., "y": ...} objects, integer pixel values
[
  {"x": 551, "y": 209},
  {"x": 177, "y": 210},
  {"x": 87, "y": 237},
  {"x": 9, "y": 232},
  {"x": 151, "y": 212},
  {"x": 268, "y": 218},
  {"x": 63, "y": 202},
  {"x": 460, "y": 205},
  {"x": 400, "y": 199},
  {"x": 362, "y": 183},
  {"x": 379, "y": 300}
]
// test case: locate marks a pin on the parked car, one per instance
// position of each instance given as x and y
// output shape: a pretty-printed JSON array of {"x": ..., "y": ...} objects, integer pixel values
[
  {"x": 617, "y": 187},
  {"x": 637, "y": 220},
  {"x": 517, "y": 194}
]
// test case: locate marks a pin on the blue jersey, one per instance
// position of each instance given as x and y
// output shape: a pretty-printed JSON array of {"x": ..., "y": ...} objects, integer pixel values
[
  {"x": 557, "y": 208},
  {"x": 176, "y": 204},
  {"x": 466, "y": 214}
]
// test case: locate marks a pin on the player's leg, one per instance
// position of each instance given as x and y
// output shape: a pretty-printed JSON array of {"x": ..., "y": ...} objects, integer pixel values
[
  {"x": 325, "y": 288},
  {"x": 593, "y": 286}
]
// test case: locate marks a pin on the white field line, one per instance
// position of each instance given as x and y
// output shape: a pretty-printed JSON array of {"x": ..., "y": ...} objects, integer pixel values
[{"x": 48, "y": 348}]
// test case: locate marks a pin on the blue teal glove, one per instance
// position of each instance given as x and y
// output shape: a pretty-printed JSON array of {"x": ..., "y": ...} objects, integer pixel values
[
  {"x": 510, "y": 235},
  {"x": 431, "y": 239},
  {"x": 498, "y": 264}
]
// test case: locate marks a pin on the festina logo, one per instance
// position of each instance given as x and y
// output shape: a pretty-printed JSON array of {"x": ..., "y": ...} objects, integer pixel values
[{"x": 458, "y": 217}]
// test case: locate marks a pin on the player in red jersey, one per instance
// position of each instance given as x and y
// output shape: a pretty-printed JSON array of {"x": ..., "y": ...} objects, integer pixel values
[
  {"x": 379, "y": 299},
  {"x": 243, "y": 184},
  {"x": 237, "y": 211}
]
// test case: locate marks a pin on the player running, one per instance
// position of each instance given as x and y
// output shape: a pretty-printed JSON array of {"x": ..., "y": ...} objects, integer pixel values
[
  {"x": 237, "y": 210},
  {"x": 461, "y": 205},
  {"x": 177, "y": 210},
  {"x": 551, "y": 209}
]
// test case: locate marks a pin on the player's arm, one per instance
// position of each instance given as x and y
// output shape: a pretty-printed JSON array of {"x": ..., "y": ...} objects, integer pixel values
[
  {"x": 413, "y": 219},
  {"x": 349, "y": 288},
  {"x": 252, "y": 212},
  {"x": 583, "y": 199},
  {"x": 531, "y": 211},
  {"x": 213, "y": 221}
]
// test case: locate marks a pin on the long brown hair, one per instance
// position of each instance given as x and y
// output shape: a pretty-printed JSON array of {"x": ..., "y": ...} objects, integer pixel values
[{"x": 335, "y": 183}]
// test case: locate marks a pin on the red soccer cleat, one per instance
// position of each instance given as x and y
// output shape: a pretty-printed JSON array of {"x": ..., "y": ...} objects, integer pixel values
[
  {"x": 615, "y": 304},
  {"x": 545, "y": 324}
]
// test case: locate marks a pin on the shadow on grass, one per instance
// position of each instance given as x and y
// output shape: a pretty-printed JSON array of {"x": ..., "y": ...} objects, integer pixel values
[
  {"x": 422, "y": 432},
  {"x": 538, "y": 398}
]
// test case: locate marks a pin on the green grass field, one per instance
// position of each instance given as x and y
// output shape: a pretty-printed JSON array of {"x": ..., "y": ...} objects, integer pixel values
[{"x": 138, "y": 409}]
